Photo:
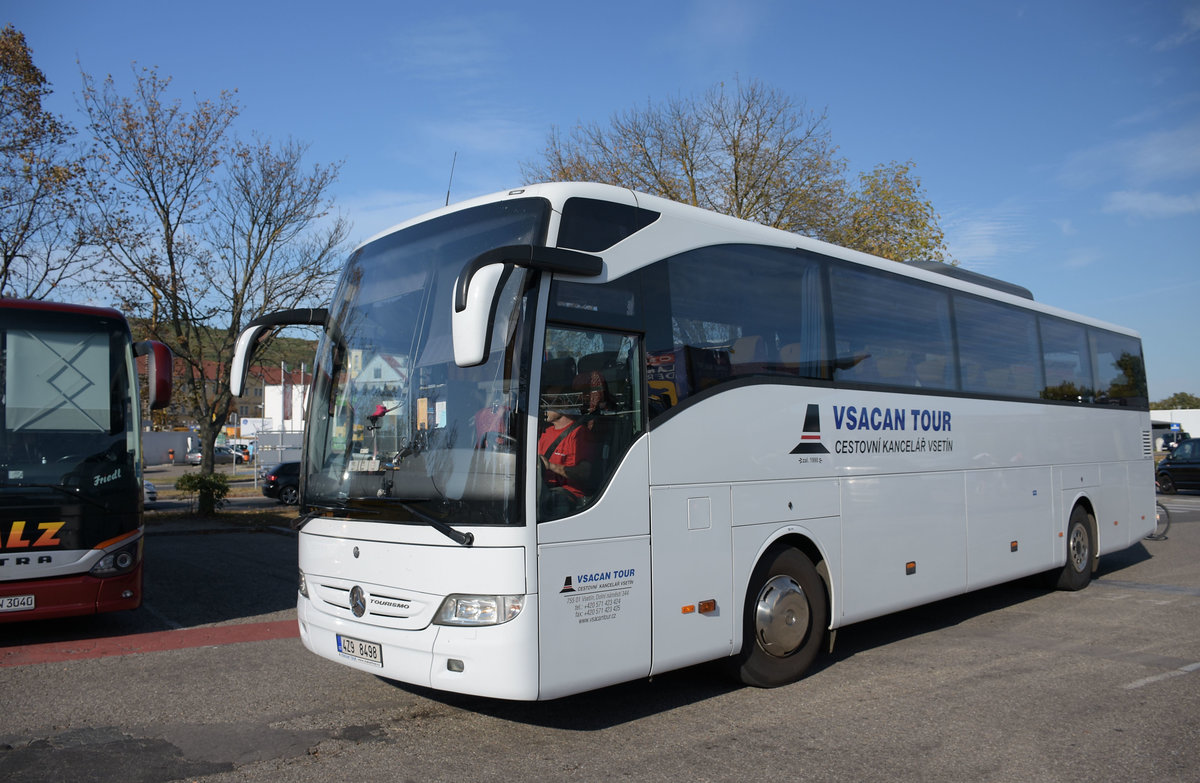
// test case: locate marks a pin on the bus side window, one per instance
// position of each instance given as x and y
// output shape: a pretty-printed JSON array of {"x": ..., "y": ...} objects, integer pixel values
[{"x": 888, "y": 330}]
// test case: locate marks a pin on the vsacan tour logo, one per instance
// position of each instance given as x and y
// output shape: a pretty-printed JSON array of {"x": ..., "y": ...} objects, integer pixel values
[{"x": 810, "y": 441}]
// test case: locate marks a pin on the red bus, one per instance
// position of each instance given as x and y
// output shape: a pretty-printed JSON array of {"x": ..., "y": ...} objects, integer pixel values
[{"x": 71, "y": 459}]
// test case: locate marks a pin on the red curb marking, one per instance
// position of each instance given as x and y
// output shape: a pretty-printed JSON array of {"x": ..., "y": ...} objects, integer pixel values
[{"x": 159, "y": 641}]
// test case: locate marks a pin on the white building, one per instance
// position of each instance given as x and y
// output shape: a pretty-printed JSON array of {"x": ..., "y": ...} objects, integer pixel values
[
  {"x": 283, "y": 402},
  {"x": 1185, "y": 419}
]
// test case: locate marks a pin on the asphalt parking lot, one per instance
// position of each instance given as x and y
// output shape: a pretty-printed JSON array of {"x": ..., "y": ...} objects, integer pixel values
[{"x": 207, "y": 681}]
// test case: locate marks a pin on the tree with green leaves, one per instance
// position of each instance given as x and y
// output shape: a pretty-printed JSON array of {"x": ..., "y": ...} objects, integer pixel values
[
  {"x": 752, "y": 152},
  {"x": 203, "y": 232},
  {"x": 40, "y": 245},
  {"x": 1177, "y": 401}
]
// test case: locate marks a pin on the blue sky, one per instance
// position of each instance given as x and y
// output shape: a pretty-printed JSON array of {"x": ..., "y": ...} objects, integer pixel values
[{"x": 1060, "y": 141}]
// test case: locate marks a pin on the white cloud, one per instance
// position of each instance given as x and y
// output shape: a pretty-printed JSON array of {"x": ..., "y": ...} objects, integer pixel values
[
  {"x": 374, "y": 211},
  {"x": 721, "y": 24},
  {"x": 1152, "y": 205},
  {"x": 1082, "y": 257},
  {"x": 978, "y": 237},
  {"x": 459, "y": 50},
  {"x": 1140, "y": 161},
  {"x": 1189, "y": 31}
]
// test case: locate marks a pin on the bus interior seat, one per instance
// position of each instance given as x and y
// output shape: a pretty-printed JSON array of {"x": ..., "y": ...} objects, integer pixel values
[
  {"x": 558, "y": 373},
  {"x": 803, "y": 360},
  {"x": 998, "y": 380},
  {"x": 597, "y": 361},
  {"x": 932, "y": 373},
  {"x": 607, "y": 394},
  {"x": 896, "y": 367},
  {"x": 1024, "y": 380},
  {"x": 747, "y": 349},
  {"x": 706, "y": 366},
  {"x": 790, "y": 356}
]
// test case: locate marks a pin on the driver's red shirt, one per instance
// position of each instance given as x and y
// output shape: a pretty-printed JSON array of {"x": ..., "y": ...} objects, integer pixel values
[{"x": 578, "y": 446}]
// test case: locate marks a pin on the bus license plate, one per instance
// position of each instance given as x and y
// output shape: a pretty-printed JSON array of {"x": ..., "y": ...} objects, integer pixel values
[
  {"x": 17, "y": 603},
  {"x": 367, "y": 652}
]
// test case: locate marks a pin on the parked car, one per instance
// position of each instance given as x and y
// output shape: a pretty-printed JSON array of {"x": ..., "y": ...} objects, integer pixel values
[
  {"x": 149, "y": 493},
  {"x": 283, "y": 482},
  {"x": 1181, "y": 468},
  {"x": 221, "y": 455},
  {"x": 1173, "y": 439}
]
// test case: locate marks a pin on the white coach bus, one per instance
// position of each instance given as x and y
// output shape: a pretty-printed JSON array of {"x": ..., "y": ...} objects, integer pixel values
[{"x": 772, "y": 438}]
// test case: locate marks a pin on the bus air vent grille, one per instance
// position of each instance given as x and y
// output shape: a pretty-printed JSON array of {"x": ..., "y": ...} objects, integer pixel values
[{"x": 1147, "y": 444}]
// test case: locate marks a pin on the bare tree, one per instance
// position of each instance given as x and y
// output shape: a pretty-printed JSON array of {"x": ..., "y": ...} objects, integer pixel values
[
  {"x": 749, "y": 151},
  {"x": 205, "y": 232},
  {"x": 39, "y": 241}
]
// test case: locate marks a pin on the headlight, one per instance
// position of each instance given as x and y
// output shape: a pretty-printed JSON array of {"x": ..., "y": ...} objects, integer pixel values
[
  {"x": 303, "y": 585},
  {"x": 478, "y": 609},
  {"x": 119, "y": 561}
]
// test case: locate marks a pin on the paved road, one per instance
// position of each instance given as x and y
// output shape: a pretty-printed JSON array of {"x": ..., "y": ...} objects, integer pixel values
[{"x": 208, "y": 682}]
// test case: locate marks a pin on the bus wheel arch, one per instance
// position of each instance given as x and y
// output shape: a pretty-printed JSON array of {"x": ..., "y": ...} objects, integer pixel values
[{"x": 785, "y": 620}]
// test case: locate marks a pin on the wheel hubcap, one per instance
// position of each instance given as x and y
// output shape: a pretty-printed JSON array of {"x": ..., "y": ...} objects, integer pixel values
[
  {"x": 1079, "y": 548},
  {"x": 781, "y": 616}
]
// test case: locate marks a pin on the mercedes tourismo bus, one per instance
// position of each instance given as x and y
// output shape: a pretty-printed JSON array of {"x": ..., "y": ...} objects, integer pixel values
[
  {"x": 71, "y": 459},
  {"x": 784, "y": 437}
]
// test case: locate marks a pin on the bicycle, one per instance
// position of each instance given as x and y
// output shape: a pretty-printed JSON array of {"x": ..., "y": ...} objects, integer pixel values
[{"x": 1162, "y": 522}]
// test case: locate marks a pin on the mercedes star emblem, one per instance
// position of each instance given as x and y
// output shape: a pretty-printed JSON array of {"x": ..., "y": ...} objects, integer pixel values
[{"x": 358, "y": 604}]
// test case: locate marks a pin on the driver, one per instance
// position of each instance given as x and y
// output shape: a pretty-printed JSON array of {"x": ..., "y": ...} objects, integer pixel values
[{"x": 566, "y": 452}]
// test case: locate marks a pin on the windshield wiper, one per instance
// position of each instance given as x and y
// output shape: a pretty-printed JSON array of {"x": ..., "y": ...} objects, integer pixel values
[
  {"x": 343, "y": 505},
  {"x": 75, "y": 493},
  {"x": 465, "y": 539},
  {"x": 340, "y": 507}
]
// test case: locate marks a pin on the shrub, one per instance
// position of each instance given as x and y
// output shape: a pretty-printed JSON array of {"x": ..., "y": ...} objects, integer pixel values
[{"x": 209, "y": 489}]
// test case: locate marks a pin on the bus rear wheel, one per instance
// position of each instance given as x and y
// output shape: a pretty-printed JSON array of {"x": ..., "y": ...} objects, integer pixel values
[
  {"x": 785, "y": 620},
  {"x": 1077, "y": 572}
]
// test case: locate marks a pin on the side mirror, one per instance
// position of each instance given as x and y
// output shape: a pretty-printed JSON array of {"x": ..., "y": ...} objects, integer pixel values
[
  {"x": 159, "y": 363},
  {"x": 255, "y": 329},
  {"x": 477, "y": 285}
]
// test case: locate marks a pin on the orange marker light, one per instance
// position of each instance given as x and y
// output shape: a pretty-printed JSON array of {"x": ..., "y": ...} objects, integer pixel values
[
  {"x": 708, "y": 606},
  {"x": 688, "y": 609}
]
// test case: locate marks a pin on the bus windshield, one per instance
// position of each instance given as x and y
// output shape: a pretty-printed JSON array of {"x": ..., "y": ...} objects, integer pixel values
[
  {"x": 69, "y": 446},
  {"x": 397, "y": 431}
]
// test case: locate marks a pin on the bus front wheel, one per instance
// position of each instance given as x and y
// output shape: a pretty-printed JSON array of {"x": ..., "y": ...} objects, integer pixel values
[{"x": 785, "y": 620}]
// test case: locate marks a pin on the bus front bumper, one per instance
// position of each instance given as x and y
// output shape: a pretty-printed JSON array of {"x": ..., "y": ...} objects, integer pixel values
[
  {"x": 498, "y": 661},
  {"x": 77, "y": 594}
]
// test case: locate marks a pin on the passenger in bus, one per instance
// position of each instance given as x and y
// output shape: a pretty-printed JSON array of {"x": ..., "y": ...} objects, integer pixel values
[
  {"x": 491, "y": 425},
  {"x": 567, "y": 453}
]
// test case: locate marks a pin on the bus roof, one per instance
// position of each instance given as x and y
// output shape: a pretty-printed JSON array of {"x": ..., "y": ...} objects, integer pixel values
[
  {"x": 60, "y": 307},
  {"x": 663, "y": 237}
]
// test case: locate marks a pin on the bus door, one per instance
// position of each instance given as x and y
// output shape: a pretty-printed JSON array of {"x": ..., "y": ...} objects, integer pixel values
[{"x": 593, "y": 512}]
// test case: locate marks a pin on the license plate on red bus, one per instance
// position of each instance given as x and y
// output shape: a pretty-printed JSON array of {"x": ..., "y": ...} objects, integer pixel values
[
  {"x": 367, "y": 652},
  {"x": 17, "y": 603}
]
